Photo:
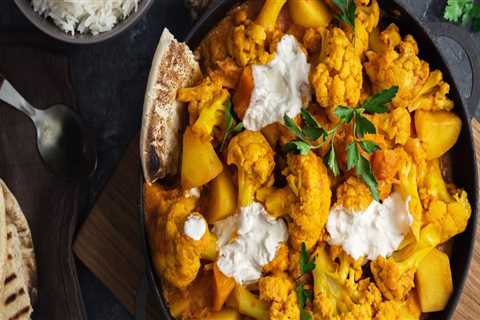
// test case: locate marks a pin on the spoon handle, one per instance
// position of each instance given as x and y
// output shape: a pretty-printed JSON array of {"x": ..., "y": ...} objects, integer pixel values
[{"x": 10, "y": 96}]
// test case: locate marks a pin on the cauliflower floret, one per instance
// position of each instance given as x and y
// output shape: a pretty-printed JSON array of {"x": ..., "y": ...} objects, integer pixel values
[
  {"x": 353, "y": 195},
  {"x": 433, "y": 95},
  {"x": 250, "y": 152},
  {"x": 399, "y": 310},
  {"x": 397, "y": 64},
  {"x": 281, "y": 261},
  {"x": 277, "y": 201},
  {"x": 308, "y": 179},
  {"x": 206, "y": 106},
  {"x": 249, "y": 39},
  {"x": 447, "y": 208},
  {"x": 176, "y": 256},
  {"x": 367, "y": 17},
  {"x": 337, "y": 295},
  {"x": 395, "y": 125},
  {"x": 394, "y": 276},
  {"x": 338, "y": 78},
  {"x": 279, "y": 290}
]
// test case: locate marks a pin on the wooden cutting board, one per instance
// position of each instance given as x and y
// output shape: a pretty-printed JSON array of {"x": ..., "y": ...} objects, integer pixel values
[{"x": 109, "y": 242}]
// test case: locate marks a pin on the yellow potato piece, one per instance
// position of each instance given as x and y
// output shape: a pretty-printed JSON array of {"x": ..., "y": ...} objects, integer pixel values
[
  {"x": 223, "y": 287},
  {"x": 225, "y": 314},
  {"x": 247, "y": 303},
  {"x": 433, "y": 281},
  {"x": 309, "y": 13},
  {"x": 210, "y": 252},
  {"x": 222, "y": 197},
  {"x": 200, "y": 163},
  {"x": 438, "y": 130},
  {"x": 268, "y": 16}
]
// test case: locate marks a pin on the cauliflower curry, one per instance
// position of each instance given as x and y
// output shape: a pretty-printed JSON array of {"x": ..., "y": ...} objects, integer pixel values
[{"x": 262, "y": 224}]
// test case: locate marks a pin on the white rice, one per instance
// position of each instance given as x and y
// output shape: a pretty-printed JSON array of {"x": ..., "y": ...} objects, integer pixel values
[{"x": 85, "y": 16}]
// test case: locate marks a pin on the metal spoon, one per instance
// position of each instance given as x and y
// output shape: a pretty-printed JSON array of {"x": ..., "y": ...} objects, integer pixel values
[{"x": 62, "y": 140}]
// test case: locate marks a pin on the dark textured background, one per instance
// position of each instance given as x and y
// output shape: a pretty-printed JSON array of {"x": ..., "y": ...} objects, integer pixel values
[{"x": 109, "y": 81}]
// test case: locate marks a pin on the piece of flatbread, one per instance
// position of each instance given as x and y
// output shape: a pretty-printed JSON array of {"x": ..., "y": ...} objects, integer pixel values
[
  {"x": 15, "y": 303},
  {"x": 174, "y": 66},
  {"x": 15, "y": 216}
]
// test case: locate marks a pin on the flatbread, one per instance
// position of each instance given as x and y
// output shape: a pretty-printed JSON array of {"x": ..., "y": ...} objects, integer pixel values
[
  {"x": 173, "y": 67},
  {"x": 15, "y": 303},
  {"x": 18, "y": 286}
]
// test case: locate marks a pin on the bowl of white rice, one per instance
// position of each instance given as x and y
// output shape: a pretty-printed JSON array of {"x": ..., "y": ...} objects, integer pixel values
[{"x": 83, "y": 21}]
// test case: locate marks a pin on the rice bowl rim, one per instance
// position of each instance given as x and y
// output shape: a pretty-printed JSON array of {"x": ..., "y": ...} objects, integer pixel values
[{"x": 47, "y": 26}]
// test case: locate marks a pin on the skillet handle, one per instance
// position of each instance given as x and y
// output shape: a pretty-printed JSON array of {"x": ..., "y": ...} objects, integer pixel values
[
  {"x": 463, "y": 37},
  {"x": 141, "y": 299}
]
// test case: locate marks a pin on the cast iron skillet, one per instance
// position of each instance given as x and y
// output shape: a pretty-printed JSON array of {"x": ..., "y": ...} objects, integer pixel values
[{"x": 462, "y": 155}]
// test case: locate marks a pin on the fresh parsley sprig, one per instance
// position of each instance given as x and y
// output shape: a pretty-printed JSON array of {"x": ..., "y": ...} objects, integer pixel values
[
  {"x": 347, "y": 11},
  {"x": 307, "y": 265},
  {"x": 229, "y": 124},
  {"x": 463, "y": 11},
  {"x": 312, "y": 131}
]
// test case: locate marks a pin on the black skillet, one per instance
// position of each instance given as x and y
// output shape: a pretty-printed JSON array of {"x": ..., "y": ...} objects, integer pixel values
[{"x": 462, "y": 155}]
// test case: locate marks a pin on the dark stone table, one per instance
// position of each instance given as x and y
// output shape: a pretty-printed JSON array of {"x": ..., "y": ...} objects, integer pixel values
[{"x": 109, "y": 81}]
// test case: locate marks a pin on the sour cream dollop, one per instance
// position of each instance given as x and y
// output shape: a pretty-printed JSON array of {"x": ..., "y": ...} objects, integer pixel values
[
  {"x": 377, "y": 231},
  {"x": 280, "y": 86},
  {"x": 247, "y": 241},
  {"x": 195, "y": 227}
]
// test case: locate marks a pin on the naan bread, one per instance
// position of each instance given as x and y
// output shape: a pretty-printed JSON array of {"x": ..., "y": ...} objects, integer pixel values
[{"x": 173, "y": 67}]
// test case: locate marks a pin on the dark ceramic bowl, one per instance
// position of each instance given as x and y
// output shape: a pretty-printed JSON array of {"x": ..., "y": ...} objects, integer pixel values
[
  {"x": 47, "y": 26},
  {"x": 462, "y": 155}
]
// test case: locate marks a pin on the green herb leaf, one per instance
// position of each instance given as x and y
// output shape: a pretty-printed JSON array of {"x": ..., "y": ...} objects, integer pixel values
[
  {"x": 313, "y": 134},
  {"x": 309, "y": 120},
  {"x": 331, "y": 161},
  {"x": 475, "y": 16},
  {"x": 344, "y": 113},
  {"x": 457, "y": 9},
  {"x": 297, "y": 147},
  {"x": 377, "y": 103},
  {"x": 292, "y": 126},
  {"x": 352, "y": 155},
  {"x": 305, "y": 264},
  {"x": 347, "y": 11},
  {"x": 303, "y": 296},
  {"x": 239, "y": 127},
  {"x": 364, "y": 170},
  {"x": 363, "y": 126},
  {"x": 369, "y": 146},
  {"x": 229, "y": 117}
]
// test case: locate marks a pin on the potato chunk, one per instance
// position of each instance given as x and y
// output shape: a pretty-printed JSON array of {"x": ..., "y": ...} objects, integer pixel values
[
  {"x": 309, "y": 13},
  {"x": 200, "y": 163},
  {"x": 222, "y": 197},
  {"x": 225, "y": 314},
  {"x": 438, "y": 130},
  {"x": 223, "y": 287},
  {"x": 248, "y": 304},
  {"x": 433, "y": 281}
]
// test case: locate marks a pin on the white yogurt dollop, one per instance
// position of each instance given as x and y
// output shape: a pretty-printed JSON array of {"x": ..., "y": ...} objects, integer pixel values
[
  {"x": 377, "y": 231},
  {"x": 279, "y": 86},
  {"x": 192, "y": 193},
  {"x": 195, "y": 227},
  {"x": 247, "y": 241}
]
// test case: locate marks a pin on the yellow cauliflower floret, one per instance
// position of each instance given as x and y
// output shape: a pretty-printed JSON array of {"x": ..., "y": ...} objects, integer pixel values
[
  {"x": 308, "y": 179},
  {"x": 397, "y": 64},
  {"x": 281, "y": 261},
  {"x": 353, "y": 195},
  {"x": 175, "y": 255},
  {"x": 278, "y": 202},
  {"x": 337, "y": 294},
  {"x": 206, "y": 106},
  {"x": 250, "y": 152},
  {"x": 367, "y": 17},
  {"x": 433, "y": 95},
  {"x": 338, "y": 78},
  {"x": 395, "y": 125},
  {"x": 447, "y": 208},
  {"x": 399, "y": 310},
  {"x": 279, "y": 290}
]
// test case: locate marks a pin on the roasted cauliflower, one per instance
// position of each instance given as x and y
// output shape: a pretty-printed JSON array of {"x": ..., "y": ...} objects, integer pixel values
[
  {"x": 250, "y": 152},
  {"x": 308, "y": 179},
  {"x": 353, "y": 195},
  {"x": 338, "y": 78},
  {"x": 279, "y": 291}
]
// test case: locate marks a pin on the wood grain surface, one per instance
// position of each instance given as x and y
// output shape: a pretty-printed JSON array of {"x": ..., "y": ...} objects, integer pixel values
[{"x": 109, "y": 242}]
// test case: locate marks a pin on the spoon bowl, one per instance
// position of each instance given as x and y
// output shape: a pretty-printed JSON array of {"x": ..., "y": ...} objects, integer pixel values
[{"x": 63, "y": 142}]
